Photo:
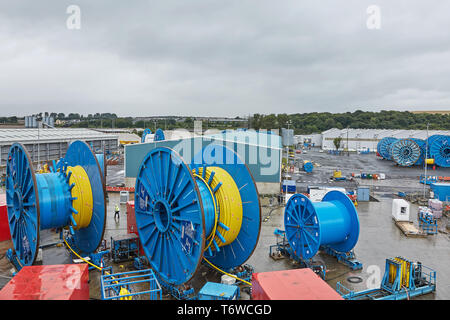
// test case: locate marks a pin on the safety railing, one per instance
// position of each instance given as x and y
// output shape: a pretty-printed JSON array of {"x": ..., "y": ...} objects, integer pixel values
[{"x": 130, "y": 285}]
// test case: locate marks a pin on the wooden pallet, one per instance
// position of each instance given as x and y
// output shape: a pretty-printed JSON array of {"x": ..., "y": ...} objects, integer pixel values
[{"x": 409, "y": 229}]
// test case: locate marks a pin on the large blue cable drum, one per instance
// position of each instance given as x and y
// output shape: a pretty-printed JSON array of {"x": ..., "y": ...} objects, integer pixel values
[
  {"x": 384, "y": 147},
  {"x": 333, "y": 222},
  {"x": 43, "y": 201},
  {"x": 439, "y": 150},
  {"x": 183, "y": 211},
  {"x": 405, "y": 152}
]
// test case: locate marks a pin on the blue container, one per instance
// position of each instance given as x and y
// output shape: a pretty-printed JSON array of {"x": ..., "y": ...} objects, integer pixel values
[
  {"x": 441, "y": 191},
  {"x": 291, "y": 186},
  {"x": 362, "y": 194},
  {"x": 218, "y": 291}
]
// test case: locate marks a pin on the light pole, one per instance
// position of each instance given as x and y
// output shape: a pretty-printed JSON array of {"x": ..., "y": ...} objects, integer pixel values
[
  {"x": 426, "y": 165},
  {"x": 348, "y": 149}
]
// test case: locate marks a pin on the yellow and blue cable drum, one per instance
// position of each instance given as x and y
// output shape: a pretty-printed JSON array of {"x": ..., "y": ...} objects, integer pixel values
[
  {"x": 70, "y": 196},
  {"x": 184, "y": 213}
]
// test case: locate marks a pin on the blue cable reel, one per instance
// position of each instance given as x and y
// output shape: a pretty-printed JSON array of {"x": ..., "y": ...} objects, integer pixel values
[
  {"x": 405, "y": 152},
  {"x": 423, "y": 151},
  {"x": 209, "y": 209},
  {"x": 49, "y": 200},
  {"x": 145, "y": 133},
  {"x": 439, "y": 146},
  {"x": 308, "y": 166},
  {"x": 384, "y": 147},
  {"x": 159, "y": 135},
  {"x": 333, "y": 222}
]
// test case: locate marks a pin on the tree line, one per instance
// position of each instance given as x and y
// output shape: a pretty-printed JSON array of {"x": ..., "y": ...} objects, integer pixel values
[
  {"x": 302, "y": 123},
  {"x": 315, "y": 122}
]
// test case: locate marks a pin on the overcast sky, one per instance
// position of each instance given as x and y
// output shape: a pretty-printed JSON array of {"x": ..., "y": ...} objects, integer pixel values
[{"x": 223, "y": 58}]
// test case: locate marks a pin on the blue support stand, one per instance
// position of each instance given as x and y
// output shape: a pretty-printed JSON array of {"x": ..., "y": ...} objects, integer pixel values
[
  {"x": 401, "y": 280},
  {"x": 347, "y": 258},
  {"x": 427, "y": 223},
  {"x": 283, "y": 250}
]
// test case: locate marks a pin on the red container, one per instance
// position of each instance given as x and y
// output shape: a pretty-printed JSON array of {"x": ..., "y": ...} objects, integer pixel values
[
  {"x": 131, "y": 218},
  {"x": 131, "y": 223},
  {"x": 4, "y": 225},
  {"x": 295, "y": 284},
  {"x": 49, "y": 282}
]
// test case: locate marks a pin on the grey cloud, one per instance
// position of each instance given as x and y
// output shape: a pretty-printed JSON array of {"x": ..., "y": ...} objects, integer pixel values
[{"x": 223, "y": 58}]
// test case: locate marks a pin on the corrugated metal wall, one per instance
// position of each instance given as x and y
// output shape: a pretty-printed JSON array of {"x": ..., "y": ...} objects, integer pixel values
[
  {"x": 54, "y": 150},
  {"x": 265, "y": 166}
]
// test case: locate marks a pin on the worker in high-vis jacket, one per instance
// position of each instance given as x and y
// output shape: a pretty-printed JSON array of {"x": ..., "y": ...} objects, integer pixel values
[{"x": 117, "y": 212}]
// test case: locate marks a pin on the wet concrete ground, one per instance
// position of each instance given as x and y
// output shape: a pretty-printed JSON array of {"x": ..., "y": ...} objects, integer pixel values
[{"x": 379, "y": 237}]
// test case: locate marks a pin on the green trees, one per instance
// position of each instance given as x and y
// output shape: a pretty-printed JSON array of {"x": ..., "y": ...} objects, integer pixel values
[
  {"x": 337, "y": 142},
  {"x": 315, "y": 122}
]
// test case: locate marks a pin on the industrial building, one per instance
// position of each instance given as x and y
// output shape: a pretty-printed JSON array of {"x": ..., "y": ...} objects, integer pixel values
[
  {"x": 51, "y": 144},
  {"x": 260, "y": 151},
  {"x": 361, "y": 139}
]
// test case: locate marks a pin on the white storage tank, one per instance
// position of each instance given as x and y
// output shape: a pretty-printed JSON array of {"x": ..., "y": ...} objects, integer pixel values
[{"x": 400, "y": 210}]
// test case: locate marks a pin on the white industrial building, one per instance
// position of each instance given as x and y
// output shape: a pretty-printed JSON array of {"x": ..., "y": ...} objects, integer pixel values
[
  {"x": 314, "y": 139},
  {"x": 51, "y": 144},
  {"x": 362, "y": 139}
]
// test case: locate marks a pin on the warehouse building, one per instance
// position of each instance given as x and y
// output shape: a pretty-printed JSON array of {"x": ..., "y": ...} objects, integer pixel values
[
  {"x": 259, "y": 150},
  {"x": 51, "y": 144},
  {"x": 362, "y": 139}
]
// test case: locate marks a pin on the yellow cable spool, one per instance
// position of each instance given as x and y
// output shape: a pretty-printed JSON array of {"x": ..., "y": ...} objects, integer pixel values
[
  {"x": 82, "y": 192},
  {"x": 229, "y": 204}
]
